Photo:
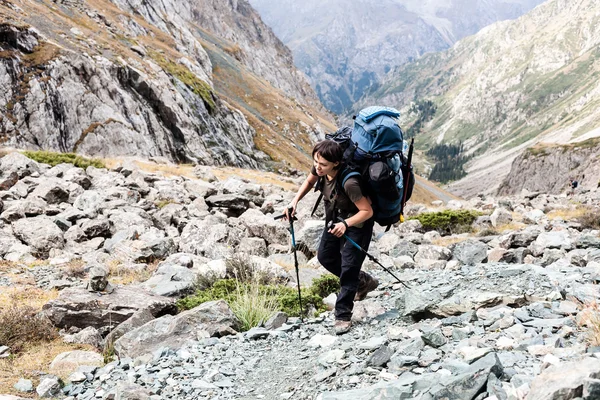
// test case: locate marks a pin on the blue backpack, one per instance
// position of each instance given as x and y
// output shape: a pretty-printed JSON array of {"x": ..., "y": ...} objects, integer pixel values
[{"x": 374, "y": 151}]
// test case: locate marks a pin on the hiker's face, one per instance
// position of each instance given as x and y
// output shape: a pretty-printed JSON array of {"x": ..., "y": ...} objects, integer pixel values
[{"x": 323, "y": 166}]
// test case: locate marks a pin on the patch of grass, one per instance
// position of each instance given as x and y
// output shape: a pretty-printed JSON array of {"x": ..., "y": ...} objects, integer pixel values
[
  {"x": 53, "y": 158},
  {"x": 448, "y": 221},
  {"x": 41, "y": 55},
  {"x": 21, "y": 325},
  {"x": 448, "y": 241},
  {"x": 187, "y": 77},
  {"x": 74, "y": 269},
  {"x": 118, "y": 274},
  {"x": 590, "y": 219},
  {"x": 26, "y": 296},
  {"x": 163, "y": 203},
  {"x": 243, "y": 296},
  {"x": 31, "y": 361},
  {"x": 568, "y": 214}
]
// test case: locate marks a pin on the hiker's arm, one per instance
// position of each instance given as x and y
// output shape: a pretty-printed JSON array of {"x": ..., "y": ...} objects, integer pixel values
[
  {"x": 306, "y": 186},
  {"x": 365, "y": 211}
]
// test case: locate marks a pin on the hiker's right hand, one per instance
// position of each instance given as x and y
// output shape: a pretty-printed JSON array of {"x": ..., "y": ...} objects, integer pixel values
[{"x": 290, "y": 211}]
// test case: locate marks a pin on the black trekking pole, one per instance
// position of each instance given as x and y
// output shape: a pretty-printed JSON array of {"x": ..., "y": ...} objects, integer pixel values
[
  {"x": 352, "y": 242},
  {"x": 406, "y": 174},
  {"x": 291, "y": 229}
]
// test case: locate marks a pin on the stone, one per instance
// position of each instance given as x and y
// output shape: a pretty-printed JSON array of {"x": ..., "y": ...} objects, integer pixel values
[
  {"x": 67, "y": 362},
  {"x": 81, "y": 308},
  {"x": 24, "y": 385},
  {"x": 276, "y": 320},
  {"x": 500, "y": 216},
  {"x": 564, "y": 381},
  {"x": 380, "y": 357},
  {"x": 40, "y": 233},
  {"x": 215, "y": 317},
  {"x": 49, "y": 387},
  {"x": 321, "y": 341},
  {"x": 470, "y": 252},
  {"x": 89, "y": 335}
]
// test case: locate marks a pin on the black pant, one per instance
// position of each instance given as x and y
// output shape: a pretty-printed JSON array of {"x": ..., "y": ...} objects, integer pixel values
[{"x": 344, "y": 260}]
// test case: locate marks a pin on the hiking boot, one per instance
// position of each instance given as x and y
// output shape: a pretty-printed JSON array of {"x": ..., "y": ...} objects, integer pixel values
[
  {"x": 367, "y": 284},
  {"x": 342, "y": 327}
]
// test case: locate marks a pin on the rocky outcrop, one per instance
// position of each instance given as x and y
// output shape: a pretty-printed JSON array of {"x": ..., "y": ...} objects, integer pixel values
[
  {"x": 122, "y": 94},
  {"x": 549, "y": 169}
]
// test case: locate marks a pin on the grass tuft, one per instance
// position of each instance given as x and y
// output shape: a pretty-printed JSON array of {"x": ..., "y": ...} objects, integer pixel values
[
  {"x": 53, "y": 158},
  {"x": 22, "y": 325}
]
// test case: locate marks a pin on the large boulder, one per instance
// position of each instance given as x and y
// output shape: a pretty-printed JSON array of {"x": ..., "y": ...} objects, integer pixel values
[
  {"x": 81, "y": 308},
  {"x": 214, "y": 317},
  {"x": 40, "y": 233},
  {"x": 264, "y": 226},
  {"x": 564, "y": 381},
  {"x": 18, "y": 163}
]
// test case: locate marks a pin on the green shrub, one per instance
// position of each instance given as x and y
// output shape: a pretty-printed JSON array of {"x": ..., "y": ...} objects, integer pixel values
[
  {"x": 326, "y": 284},
  {"x": 254, "y": 302},
  {"x": 448, "y": 221},
  {"x": 52, "y": 158}
]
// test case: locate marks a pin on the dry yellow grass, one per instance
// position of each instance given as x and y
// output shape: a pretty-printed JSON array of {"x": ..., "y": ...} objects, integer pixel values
[
  {"x": 119, "y": 275},
  {"x": 512, "y": 226},
  {"x": 31, "y": 362},
  {"x": 26, "y": 296},
  {"x": 568, "y": 214},
  {"x": 254, "y": 176},
  {"x": 448, "y": 240}
]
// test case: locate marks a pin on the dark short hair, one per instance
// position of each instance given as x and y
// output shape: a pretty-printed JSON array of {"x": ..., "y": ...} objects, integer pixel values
[{"x": 329, "y": 150}]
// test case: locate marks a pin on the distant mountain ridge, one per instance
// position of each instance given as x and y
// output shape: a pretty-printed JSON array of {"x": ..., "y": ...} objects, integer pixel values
[
  {"x": 512, "y": 85},
  {"x": 345, "y": 48}
]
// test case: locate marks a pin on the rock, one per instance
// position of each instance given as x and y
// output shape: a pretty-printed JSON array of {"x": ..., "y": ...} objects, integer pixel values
[
  {"x": 49, "y": 387},
  {"x": 40, "y": 233},
  {"x": 24, "y": 385},
  {"x": 214, "y": 317},
  {"x": 380, "y": 357},
  {"x": 276, "y": 320},
  {"x": 434, "y": 338},
  {"x": 98, "y": 280},
  {"x": 18, "y": 163},
  {"x": 591, "y": 389},
  {"x": 232, "y": 204},
  {"x": 310, "y": 235},
  {"x": 66, "y": 363},
  {"x": 321, "y": 341},
  {"x": 130, "y": 391},
  {"x": 500, "y": 216},
  {"x": 253, "y": 246},
  {"x": 88, "y": 335},
  {"x": 263, "y": 226},
  {"x": 565, "y": 381},
  {"x": 80, "y": 308},
  {"x": 470, "y": 252}
]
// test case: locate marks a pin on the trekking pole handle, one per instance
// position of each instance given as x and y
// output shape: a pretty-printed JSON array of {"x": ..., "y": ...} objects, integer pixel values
[{"x": 294, "y": 218}]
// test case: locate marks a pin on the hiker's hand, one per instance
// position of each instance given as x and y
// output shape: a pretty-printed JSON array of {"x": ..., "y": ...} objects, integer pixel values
[
  {"x": 290, "y": 211},
  {"x": 338, "y": 230}
]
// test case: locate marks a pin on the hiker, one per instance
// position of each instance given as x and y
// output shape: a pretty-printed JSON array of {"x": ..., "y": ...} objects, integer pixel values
[
  {"x": 335, "y": 254},
  {"x": 573, "y": 184}
]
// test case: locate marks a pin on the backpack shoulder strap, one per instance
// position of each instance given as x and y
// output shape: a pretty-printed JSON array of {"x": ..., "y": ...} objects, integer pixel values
[{"x": 318, "y": 187}]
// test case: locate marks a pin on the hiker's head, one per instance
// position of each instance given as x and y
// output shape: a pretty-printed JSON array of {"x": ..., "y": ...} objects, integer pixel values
[{"x": 327, "y": 156}]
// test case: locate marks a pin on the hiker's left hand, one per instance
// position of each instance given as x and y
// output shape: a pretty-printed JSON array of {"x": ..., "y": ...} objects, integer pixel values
[{"x": 338, "y": 230}]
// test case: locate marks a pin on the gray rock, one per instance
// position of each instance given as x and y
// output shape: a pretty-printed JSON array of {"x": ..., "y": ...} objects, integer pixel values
[
  {"x": 80, "y": 308},
  {"x": 380, "y": 357},
  {"x": 434, "y": 338},
  {"x": 564, "y": 381},
  {"x": 214, "y": 317},
  {"x": 276, "y": 320},
  {"x": 231, "y": 204},
  {"x": 18, "y": 163},
  {"x": 40, "y": 233},
  {"x": 470, "y": 252},
  {"x": 49, "y": 387},
  {"x": 24, "y": 385}
]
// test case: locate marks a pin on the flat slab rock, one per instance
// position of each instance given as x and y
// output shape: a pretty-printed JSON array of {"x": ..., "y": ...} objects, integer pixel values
[{"x": 80, "y": 308}]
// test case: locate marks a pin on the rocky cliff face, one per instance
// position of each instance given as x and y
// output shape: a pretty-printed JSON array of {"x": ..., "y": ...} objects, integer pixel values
[
  {"x": 548, "y": 169},
  {"x": 134, "y": 78},
  {"x": 508, "y": 87},
  {"x": 346, "y": 48}
]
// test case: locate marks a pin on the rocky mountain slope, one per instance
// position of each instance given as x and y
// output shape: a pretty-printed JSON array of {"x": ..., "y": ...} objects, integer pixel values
[
  {"x": 505, "y": 313},
  {"x": 203, "y": 82},
  {"x": 346, "y": 48},
  {"x": 549, "y": 168},
  {"x": 508, "y": 87}
]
